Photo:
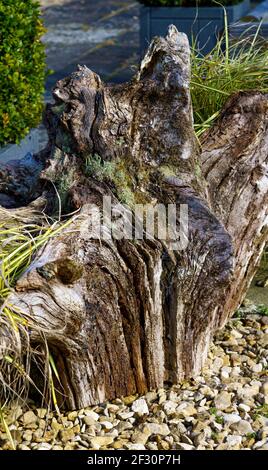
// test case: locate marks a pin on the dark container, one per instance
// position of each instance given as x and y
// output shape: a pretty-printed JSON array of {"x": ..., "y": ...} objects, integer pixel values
[{"x": 204, "y": 23}]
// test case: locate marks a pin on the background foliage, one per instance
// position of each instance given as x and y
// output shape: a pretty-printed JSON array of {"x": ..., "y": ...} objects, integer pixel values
[
  {"x": 229, "y": 68},
  {"x": 22, "y": 69}
]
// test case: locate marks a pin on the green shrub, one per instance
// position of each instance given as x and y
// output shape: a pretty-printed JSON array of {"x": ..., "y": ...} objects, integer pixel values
[
  {"x": 188, "y": 3},
  {"x": 22, "y": 69}
]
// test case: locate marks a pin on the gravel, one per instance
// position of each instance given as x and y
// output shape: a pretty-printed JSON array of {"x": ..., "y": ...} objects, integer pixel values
[{"x": 225, "y": 408}]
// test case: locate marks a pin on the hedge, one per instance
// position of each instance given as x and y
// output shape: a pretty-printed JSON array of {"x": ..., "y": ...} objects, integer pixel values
[{"x": 22, "y": 69}]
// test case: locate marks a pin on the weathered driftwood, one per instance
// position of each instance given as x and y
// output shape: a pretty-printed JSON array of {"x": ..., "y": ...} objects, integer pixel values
[{"x": 125, "y": 316}]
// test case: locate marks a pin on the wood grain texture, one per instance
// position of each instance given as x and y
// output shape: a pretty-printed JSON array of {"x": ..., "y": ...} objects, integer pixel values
[{"x": 124, "y": 316}]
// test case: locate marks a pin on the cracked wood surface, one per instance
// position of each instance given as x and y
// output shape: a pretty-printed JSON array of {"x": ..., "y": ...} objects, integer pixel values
[{"x": 126, "y": 316}]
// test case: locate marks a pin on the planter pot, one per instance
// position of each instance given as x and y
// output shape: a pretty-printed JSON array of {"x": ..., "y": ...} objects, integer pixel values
[{"x": 204, "y": 23}]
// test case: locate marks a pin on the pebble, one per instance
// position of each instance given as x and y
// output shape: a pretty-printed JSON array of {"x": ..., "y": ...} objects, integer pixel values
[
  {"x": 125, "y": 414},
  {"x": 151, "y": 397},
  {"x": 91, "y": 414},
  {"x": 129, "y": 400},
  {"x": 169, "y": 407},
  {"x": 223, "y": 400},
  {"x": 231, "y": 418},
  {"x": 158, "y": 429},
  {"x": 27, "y": 435},
  {"x": 243, "y": 407},
  {"x": 23, "y": 447},
  {"x": 101, "y": 441},
  {"x": 234, "y": 440},
  {"x": 184, "y": 446},
  {"x": 44, "y": 446},
  {"x": 257, "y": 368},
  {"x": 135, "y": 447},
  {"x": 72, "y": 415},
  {"x": 141, "y": 437},
  {"x": 260, "y": 444},
  {"x": 66, "y": 434},
  {"x": 186, "y": 409},
  {"x": 29, "y": 418},
  {"x": 140, "y": 407},
  {"x": 264, "y": 389},
  {"x": 243, "y": 427},
  {"x": 107, "y": 425}
]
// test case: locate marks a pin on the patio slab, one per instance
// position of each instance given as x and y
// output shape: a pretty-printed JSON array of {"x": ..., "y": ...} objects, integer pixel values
[{"x": 102, "y": 34}]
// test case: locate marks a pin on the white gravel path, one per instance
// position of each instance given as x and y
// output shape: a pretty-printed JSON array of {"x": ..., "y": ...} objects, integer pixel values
[{"x": 225, "y": 408}]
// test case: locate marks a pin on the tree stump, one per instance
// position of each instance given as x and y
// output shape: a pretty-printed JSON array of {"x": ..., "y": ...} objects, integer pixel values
[{"x": 126, "y": 316}]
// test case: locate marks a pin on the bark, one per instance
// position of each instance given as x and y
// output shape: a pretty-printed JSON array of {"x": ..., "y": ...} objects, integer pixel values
[
  {"x": 124, "y": 316},
  {"x": 235, "y": 166}
]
